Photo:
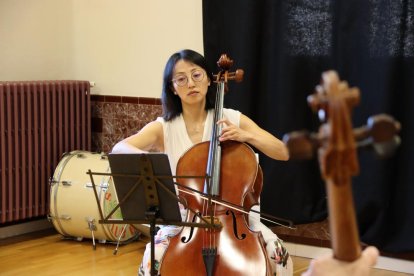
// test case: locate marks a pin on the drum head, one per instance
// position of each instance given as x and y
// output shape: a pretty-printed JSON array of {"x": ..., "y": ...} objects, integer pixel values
[{"x": 74, "y": 208}]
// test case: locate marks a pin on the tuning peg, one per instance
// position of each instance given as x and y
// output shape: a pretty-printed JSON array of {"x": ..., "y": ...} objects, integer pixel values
[
  {"x": 301, "y": 144},
  {"x": 381, "y": 135},
  {"x": 383, "y": 127}
]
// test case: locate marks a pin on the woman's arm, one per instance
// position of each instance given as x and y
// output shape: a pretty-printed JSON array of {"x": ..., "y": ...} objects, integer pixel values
[
  {"x": 149, "y": 138},
  {"x": 252, "y": 134}
]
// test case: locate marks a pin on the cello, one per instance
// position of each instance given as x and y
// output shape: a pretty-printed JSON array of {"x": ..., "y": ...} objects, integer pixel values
[
  {"x": 233, "y": 176},
  {"x": 338, "y": 161},
  {"x": 336, "y": 144}
]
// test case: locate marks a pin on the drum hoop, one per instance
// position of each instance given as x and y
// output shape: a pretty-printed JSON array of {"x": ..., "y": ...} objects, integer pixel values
[{"x": 66, "y": 157}]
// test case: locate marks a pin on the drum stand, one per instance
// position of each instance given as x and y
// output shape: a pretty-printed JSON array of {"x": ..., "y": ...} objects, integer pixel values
[
  {"x": 119, "y": 239},
  {"x": 92, "y": 227}
]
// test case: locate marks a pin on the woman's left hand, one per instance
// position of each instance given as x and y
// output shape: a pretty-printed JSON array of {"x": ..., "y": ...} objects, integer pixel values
[{"x": 232, "y": 132}]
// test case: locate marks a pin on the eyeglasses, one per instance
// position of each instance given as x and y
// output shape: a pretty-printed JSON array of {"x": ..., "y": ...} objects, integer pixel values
[{"x": 181, "y": 79}]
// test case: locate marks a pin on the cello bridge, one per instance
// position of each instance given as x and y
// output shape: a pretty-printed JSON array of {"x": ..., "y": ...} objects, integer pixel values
[{"x": 216, "y": 222}]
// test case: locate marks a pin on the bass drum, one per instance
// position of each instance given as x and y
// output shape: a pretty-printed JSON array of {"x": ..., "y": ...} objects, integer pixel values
[{"x": 73, "y": 205}]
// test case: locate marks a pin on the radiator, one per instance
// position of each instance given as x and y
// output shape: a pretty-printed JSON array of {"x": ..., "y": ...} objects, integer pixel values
[{"x": 39, "y": 122}]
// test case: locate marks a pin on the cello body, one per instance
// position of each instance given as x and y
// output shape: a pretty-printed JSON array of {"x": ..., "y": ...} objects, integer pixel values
[{"x": 239, "y": 250}]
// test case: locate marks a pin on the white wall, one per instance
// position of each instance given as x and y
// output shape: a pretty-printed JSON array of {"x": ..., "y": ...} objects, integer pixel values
[
  {"x": 121, "y": 45},
  {"x": 35, "y": 37}
]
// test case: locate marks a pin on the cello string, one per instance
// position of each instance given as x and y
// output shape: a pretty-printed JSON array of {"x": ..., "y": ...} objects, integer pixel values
[
  {"x": 204, "y": 211},
  {"x": 214, "y": 245}
]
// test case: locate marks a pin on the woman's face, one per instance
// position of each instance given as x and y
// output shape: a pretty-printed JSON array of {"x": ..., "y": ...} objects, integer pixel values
[{"x": 190, "y": 82}]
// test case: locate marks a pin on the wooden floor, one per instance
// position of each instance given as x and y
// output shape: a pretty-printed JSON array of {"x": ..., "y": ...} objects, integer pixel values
[{"x": 48, "y": 254}]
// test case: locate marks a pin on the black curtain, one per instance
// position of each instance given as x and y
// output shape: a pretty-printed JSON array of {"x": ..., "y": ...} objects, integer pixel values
[{"x": 283, "y": 47}]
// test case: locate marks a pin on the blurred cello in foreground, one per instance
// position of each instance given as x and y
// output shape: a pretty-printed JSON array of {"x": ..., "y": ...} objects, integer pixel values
[{"x": 336, "y": 144}]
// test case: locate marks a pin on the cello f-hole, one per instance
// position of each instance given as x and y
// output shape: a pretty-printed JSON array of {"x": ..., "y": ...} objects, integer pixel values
[
  {"x": 186, "y": 240},
  {"x": 243, "y": 236}
]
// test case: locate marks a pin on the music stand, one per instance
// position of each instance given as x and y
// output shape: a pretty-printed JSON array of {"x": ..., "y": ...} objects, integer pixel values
[{"x": 146, "y": 192}]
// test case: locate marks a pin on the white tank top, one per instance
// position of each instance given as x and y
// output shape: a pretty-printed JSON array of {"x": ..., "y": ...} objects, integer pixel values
[{"x": 176, "y": 139}]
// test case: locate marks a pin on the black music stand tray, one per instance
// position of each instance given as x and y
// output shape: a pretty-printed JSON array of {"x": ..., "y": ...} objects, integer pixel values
[{"x": 146, "y": 193}]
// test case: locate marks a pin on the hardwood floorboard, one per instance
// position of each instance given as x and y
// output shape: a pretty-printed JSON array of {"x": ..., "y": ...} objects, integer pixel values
[{"x": 50, "y": 254}]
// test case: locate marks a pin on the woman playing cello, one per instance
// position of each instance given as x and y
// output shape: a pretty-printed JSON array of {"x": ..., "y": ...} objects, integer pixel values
[{"x": 187, "y": 120}]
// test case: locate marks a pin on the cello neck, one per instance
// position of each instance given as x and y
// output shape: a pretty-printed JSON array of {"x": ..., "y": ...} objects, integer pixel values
[
  {"x": 212, "y": 186},
  {"x": 338, "y": 162}
]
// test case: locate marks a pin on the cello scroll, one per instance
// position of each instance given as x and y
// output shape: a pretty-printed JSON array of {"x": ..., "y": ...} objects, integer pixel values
[{"x": 225, "y": 63}]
